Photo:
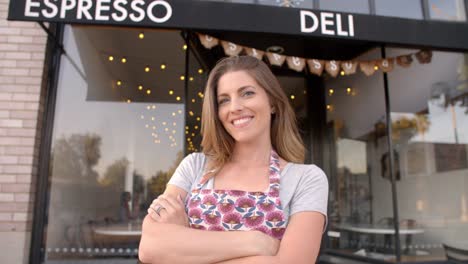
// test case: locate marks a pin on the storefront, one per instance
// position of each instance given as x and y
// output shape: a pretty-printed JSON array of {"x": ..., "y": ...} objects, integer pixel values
[{"x": 124, "y": 94}]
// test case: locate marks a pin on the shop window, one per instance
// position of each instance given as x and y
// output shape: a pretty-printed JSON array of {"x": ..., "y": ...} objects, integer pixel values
[
  {"x": 118, "y": 136},
  {"x": 351, "y": 6},
  {"x": 360, "y": 189},
  {"x": 412, "y": 8},
  {"x": 429, "y": 104},
  {"x": 452, "y": 10}
]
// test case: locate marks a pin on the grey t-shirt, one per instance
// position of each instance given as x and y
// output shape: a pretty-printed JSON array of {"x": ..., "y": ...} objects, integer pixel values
[{"x": 303, "y": 187}]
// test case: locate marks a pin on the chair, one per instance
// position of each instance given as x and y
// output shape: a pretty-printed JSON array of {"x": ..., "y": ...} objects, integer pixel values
[
  {"x": 456, "y": 255},
  {"x": 387, "y": 222}
]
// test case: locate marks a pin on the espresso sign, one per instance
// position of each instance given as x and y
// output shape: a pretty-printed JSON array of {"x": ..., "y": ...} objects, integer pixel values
[{"x": 112, "y": 11}]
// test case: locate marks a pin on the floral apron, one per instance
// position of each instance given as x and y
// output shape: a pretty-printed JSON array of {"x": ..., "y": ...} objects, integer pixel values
[{"x": 231, "y": 210}]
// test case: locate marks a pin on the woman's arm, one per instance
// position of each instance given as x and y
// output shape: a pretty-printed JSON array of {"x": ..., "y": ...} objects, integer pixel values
[
  {"x": 165, "y": 242},
  {"x": 300, "y": 244}
]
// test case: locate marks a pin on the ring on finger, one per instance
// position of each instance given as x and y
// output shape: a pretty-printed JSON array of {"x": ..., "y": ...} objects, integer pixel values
[{"x": 159, "y": 209}]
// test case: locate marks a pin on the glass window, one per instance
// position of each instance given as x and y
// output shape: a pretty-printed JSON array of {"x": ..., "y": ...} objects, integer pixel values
[
  {"x": 351, "y": 6},
  {"x": 360, "y": 190},
  {"x": 287, "y": 3},
  {"x": 430, "y": 133},
  {"x": 452, "y": 10},
  {"x": 118, "y": 136},
  {"x": 412, "y": 8}
]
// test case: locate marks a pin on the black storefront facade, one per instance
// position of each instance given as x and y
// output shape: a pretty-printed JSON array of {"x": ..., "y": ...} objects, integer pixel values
[{"x": 124, "y": 89}]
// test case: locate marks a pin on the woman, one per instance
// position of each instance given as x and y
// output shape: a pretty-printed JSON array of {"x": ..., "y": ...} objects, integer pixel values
[{"x": 249, "y": 180}]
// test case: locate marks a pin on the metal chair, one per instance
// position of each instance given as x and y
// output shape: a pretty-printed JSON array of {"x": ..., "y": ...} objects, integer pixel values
[{"x": 456, "y": 255}]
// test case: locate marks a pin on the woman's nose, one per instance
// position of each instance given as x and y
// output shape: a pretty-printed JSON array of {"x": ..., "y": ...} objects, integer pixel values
[{"x": 236, "y": 105}]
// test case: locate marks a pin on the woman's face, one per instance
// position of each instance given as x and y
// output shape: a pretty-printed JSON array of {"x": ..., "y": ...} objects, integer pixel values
[{"x": 243, "y": 107}]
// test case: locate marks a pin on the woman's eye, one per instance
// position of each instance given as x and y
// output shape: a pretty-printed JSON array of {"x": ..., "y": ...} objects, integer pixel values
[
  {"x": 248, "y": 93},
  {"x": 222, "y": 101}
]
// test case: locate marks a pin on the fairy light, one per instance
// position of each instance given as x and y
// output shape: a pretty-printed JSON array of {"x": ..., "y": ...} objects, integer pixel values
[
  {"x": 141, "y": 36},
  {"x": 171, "y": 92},
  {"x": 148, "y": 91},
  {"x": 193, "y": 100},
  {"x": 190, "y": 113},
  {"x": 331, "y": 92},
  {"x": 342, "y": 73},
  {"x": 184, "y": 47},
  {"x": 119, "y": 83},
  {"x": 173, "y": 114},
  {"x": 348, "y": 90},
  {"x": 124, "y": 60},
  {"x": 182, "y": 77},
  {"x": 178, "y": 98},
  {"x": 142, "y": 117},
  {"x": 376, "y": 67},
  {"x": 198, "y": 118},
  {"x": 200, "y": 71},
  {"x": 164, "y": 123},
  {"x": 140, "y": 87},
  {"x": 191, "y": 79},
  {"x": 163, "y": 66},
  {"x": 152, "y": 118},
  {"x": 147, "y": 69},
  {"x": 129, "y": 101},
  {"x": 153, "y": 106},
  {"x": 292, "y": 97},
  {"x": 111, "y": 58}
]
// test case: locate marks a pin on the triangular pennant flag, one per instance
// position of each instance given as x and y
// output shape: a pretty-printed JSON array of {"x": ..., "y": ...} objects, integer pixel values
[
  {"x": 404, "y": 61},
  {"x": 276, "y": 59},
  {"x": 208, "y": 41},
  {"x": 296, "y": 63},
  {"x": 332, "y": 67},
  {"x": 386, "y": 64},
  {"x": 349, "y": 67},
  {"x": 254, "y": 53},
  {"x": 316, "y": 66},
  {"x": 367, "y": 67},
  {"x": 424, "y": 56},
  {"x": 230, "y": 48}
]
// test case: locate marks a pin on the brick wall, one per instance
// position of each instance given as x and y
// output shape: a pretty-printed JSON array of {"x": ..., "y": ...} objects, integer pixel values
[{"x": 22, "y": 51}]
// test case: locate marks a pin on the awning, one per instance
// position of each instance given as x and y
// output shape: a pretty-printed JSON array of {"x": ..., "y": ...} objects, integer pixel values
[{"x": 253, "y": 18}]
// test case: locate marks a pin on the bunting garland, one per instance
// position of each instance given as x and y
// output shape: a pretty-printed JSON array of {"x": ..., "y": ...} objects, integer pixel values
[{"x": 316, "y": 66}]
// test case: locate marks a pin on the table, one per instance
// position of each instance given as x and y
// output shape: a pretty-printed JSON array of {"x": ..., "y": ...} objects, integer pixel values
[
  {"x": 128, "y": 230},
  {"x": 382, "y": 230}
]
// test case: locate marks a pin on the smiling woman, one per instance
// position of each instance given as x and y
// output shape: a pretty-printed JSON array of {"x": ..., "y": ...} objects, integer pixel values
[{"x": 249, "y": 178}]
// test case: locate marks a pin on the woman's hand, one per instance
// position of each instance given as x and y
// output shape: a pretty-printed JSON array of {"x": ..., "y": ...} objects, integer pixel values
[{"x": 170, "y": 210}]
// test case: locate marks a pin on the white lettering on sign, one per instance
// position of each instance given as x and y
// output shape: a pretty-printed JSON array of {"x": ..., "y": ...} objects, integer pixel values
[
  {"x": 119, "y": 5},
  {"x": 158, "y": 11},
  {"x": 83, "y": 9},
  {"x": 157, "y": 19},
  {"x": 101, "y": 6},
  {"x": 53, "y": 9},
  {"x": 296, "y": 61},
  {"x": 28, "y": 6},
  {"x": 329, "y": 23},
  {"x": 67, "y": 5}
]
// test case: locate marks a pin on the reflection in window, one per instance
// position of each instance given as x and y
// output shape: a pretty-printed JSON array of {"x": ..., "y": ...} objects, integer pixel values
[
  {"x": 412, "y": 8},
  {"x": 430, "y": 128},
  {"x": 118, "y": 137},
  {"x": 360, "y": 192},
  {"x": 352, "y": 6},
  {"x": 287, "y": 3},
  {"x": 453, "y": 10}
]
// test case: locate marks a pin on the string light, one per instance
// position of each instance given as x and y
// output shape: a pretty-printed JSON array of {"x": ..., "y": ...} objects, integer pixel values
[
  {"x": 180, "y": 111},
  {"x": 173, "y": 114},
  {"x": 171, "y": 92},
  {"x": 292, "y": 97},
  {"x": 146, "y": 125},
  {"x": 153, "y": 106},
  {"x": 193, "y": 100},
  {"x": 342, "y": 73},
  {"x": 142, "y": 117},
  {"x": 331, "y": 92},
  {"x": 164, "y": 123},
  {"x": 140, "y": 87},
  {"x": 148, "y": 107},
  {"x": 111, "y": 58},
  {"x": 152, "y": 118},
  {"x": 154, "y": 127},
  {"x": 184, "y": 47},
  {"x": 178, "y": 98},
  {"x": 330, "y": 107},
  {"x": 200, "y": 94},
  {"x": 200, "y": 71},
  {"x": 196, "y": 127},
  {"x": 190, "y": 113},
  {"x": 141, "y": 35},
  {"x": 182, "y": 77},
  {"x": 124, "y": 60},
  {"x": 198, "y": 118},
  {"x": 148, "y": 91},
  {"x": 174, "y": 124},
  {"x": 163, "y": 66},
  {"x": 348, "y": 90},
  {"x": 193, "y": 134},
  {"x": 119, "y": 83},
  {"x": 129, "y": 101},
  {"x": 191, "y": 79},
  {"x": 147, "y": 69},
  {"x": 376, "y": 68}
]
